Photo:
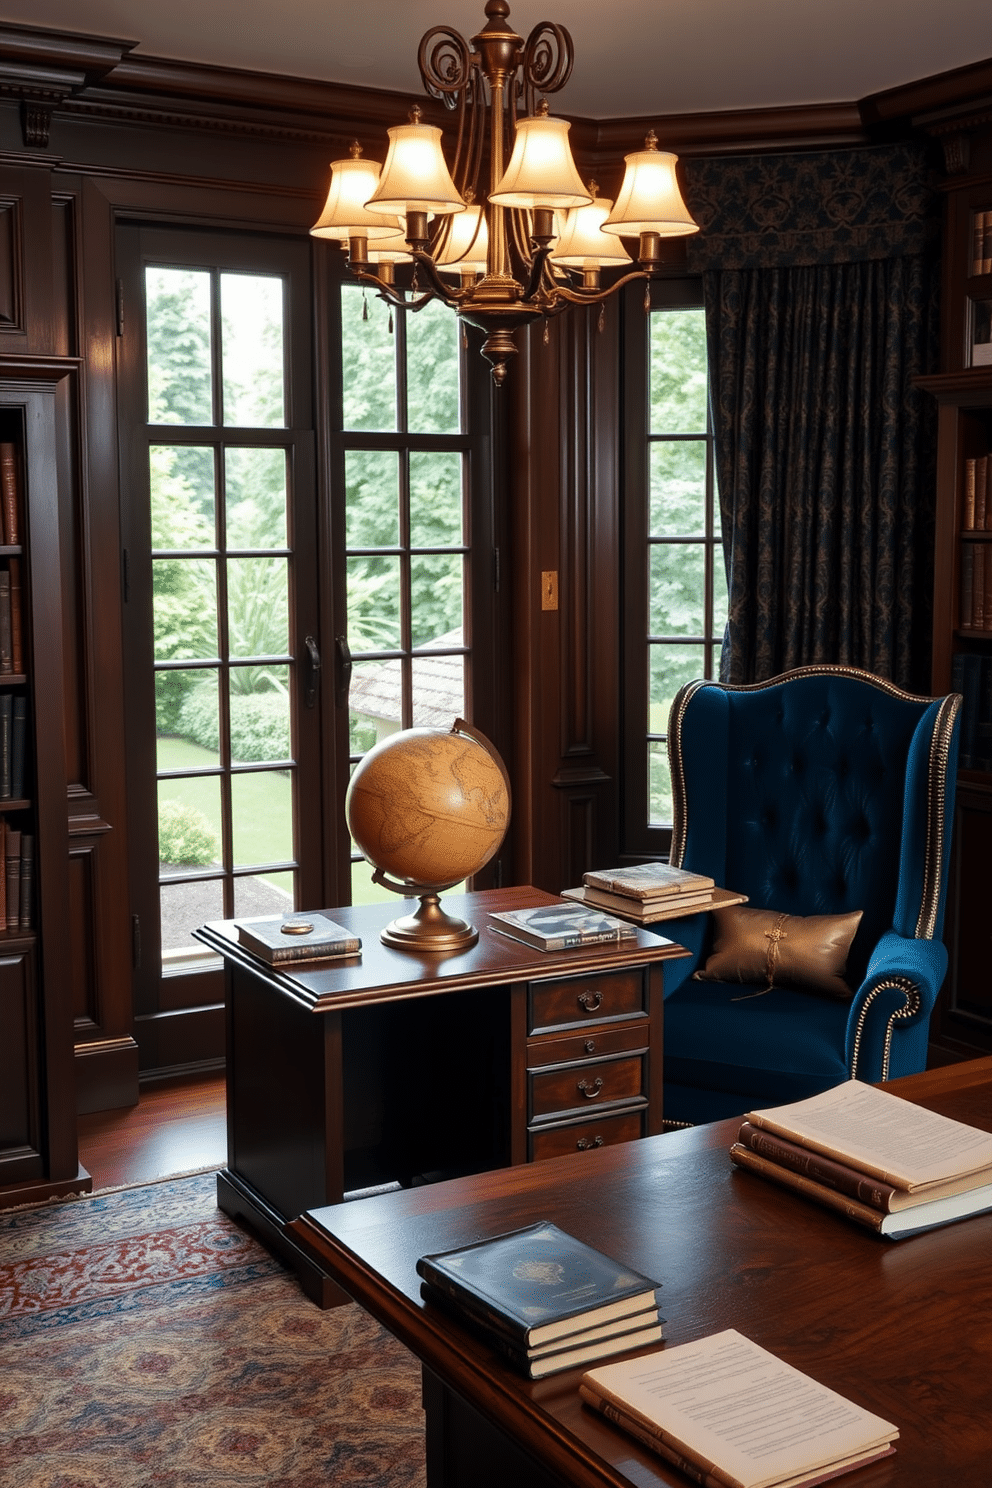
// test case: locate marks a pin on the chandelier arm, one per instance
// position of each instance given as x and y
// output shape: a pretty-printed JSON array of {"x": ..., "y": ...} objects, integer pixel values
[
  {"x": 538, "y": 264},
  {"x": 597, "y": 296},
  {"x": 397, "y": 297},
  {"x": 438, "y": 289}
]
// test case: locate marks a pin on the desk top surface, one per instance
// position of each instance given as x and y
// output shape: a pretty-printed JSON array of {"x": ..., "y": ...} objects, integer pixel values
[
  {"x": 901, "y": 1327},
  {"x": 382, "y": 972}
]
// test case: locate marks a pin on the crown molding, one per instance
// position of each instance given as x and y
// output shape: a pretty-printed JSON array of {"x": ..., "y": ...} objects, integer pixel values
[
  {"x": 102, "y": 77},
  {"x": 922, "y": 102},
  {"x": 43, "y": 69}
]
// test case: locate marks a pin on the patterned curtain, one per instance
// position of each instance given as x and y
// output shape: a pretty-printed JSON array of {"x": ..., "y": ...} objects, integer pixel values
[{"x": 821, "y": 290}]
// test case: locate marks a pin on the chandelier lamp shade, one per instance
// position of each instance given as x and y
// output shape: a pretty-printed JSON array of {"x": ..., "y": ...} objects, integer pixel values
[{"x": 535, "y": 239}]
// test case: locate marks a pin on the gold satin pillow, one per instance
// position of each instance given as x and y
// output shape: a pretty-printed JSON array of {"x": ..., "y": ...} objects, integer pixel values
[{"x": 762, "y": 945}]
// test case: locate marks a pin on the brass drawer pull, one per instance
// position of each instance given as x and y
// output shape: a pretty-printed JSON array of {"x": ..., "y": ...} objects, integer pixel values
[
  {"x": 585, "y": 1143},
  {"x": 590, "y": 1046},
  {"x": 590, "y": 1002},
  {"x": 591, "y": 1091}
]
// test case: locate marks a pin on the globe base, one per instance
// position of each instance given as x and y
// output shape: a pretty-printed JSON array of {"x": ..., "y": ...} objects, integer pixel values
[{"x": 429, "y": 928}]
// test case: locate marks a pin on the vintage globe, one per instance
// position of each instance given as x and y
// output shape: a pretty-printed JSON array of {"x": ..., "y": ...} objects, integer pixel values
[{"x": 429, "y": 808}]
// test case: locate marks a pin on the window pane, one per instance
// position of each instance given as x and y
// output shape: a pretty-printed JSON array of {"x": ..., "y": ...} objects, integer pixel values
[
  {"x": 372, "y": 486},
  {"x": 677, "y": 589},
  {"x": 187, "y": 718},
  {"x": 659, "y": 786},
  {"x": 373, "y": 603},
  {"x": 364, "y": 891},
  {"x": 438, "y": 690},
  {"x": 181, "y": 481},
  {"x": 252, "y": 350},
  {"x": 258, "y": 606},
  {"x": 376, "y": 702},
  {"x": 255, "y": 896},
  {"x": 184, "y": 907},
  {"x": 678, "y": 488},
  {"x": 432, "y": 338},
  {"x": 177, "y": 309},
  {"x": 184, "y": 599},
  {"x": 364, "y": 728},
  {"x": 368, "y": 359},
  {"x": 255, "y": 497},
  {"x": 436, "y": 582},
  {"x": 262, "y": 815},
  {"x": 678, "y": 372},
  {"x": 260, "y": 715},
  {"x": 189, "y": 823},
  {"x": 435, "y": 499},
  {"x": 669, "y": 667}
]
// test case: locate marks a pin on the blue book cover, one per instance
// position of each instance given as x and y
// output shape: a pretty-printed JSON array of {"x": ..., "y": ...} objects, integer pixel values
[{"x": 538, "y": 1283}]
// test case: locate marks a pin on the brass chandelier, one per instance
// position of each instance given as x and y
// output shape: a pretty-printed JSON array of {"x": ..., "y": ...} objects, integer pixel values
[{"x": 536, "y": 241}]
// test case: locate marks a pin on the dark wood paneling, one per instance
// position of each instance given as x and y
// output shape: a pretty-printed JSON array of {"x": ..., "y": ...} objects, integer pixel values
[
  {"x": 11, "y": 294},
  {"x": 21, "y": 1156}
]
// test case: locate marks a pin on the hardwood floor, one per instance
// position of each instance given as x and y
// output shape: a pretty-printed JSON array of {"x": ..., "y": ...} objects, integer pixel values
[{"x": 178, "y": 1126}]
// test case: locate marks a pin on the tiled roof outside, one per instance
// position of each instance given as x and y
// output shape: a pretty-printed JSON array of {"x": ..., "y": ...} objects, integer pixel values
[{"x": 438, "y": 687}]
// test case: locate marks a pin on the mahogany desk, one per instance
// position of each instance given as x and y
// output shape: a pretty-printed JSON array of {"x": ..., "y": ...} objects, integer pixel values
[
  {"x": 904, "y": 1327},
  {"x": 391, "y": 1065}
]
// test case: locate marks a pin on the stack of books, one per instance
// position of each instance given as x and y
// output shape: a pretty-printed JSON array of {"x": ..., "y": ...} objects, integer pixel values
[
  {"x": 281, "y": 940},
  {"x": 729, "y": 1414},
  {"x": 543, "y": 1299},
  {"x": 560, "y": 927},
  {"x": 651, "y": 891},
  {"x": 891, "y": 1166}
]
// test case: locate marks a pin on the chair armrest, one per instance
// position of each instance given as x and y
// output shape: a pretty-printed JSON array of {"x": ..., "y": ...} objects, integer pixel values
[
  {"x": 895, "y": 999},
  {"x": 689, "y": 931}
]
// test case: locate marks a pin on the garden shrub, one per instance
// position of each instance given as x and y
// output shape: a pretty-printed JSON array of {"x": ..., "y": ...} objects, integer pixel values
[
  {"x": 259, "y": 723},
  {"x": 185, "y": 836}
]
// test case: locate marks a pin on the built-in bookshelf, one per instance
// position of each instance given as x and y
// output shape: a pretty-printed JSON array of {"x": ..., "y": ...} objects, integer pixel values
[
  {"x": 962, "y": 595},
  {"x": 978, "y": 294},
  {"x": 37, "y": 1108},
  {"x": 17, "y": 829}
]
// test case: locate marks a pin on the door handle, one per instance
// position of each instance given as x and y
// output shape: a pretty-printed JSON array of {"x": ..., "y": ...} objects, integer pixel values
[
  {"x": 344, "y": 670},
  {"x": 313, "y": 671}
]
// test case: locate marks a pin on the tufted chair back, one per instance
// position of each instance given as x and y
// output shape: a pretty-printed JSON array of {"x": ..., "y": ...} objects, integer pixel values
[{"x": 823, "y": 791}]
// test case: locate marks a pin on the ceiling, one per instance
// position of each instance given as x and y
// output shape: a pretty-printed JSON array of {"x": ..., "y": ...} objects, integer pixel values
[{"x": 632, "y": 58}]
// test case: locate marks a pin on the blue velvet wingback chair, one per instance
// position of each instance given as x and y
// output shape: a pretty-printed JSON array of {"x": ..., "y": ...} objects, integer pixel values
[{"x": 823, "y": 791}]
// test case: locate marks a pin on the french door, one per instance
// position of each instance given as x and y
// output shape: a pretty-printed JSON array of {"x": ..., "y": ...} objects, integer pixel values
[{"x": 220, "y": 552}]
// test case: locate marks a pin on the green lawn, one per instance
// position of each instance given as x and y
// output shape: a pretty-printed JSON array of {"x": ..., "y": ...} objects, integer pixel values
[{"x": 262, "y": 801}]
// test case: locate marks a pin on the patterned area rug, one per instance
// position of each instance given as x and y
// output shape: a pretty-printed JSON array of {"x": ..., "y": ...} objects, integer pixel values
[{"x": 146, "y": 1340}]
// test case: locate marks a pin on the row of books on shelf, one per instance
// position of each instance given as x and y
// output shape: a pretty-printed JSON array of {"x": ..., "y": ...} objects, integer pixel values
[
  {"x": 548, "y": 1302},
  {"x": 16, "y": 878},
  {"x": 10, "y": 494},
  {"x": 11, "y": 622},
  {"x": 971, "y": 676},
  {"x": 981, "y": 253},
  {"x": 976, "y": 515},
  {"x": 13, "y": 745},
  {"x": 976, "y": 586}
]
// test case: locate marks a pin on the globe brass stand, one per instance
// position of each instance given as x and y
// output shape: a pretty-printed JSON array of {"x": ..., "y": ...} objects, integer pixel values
[{"x": 429, "y": 928}]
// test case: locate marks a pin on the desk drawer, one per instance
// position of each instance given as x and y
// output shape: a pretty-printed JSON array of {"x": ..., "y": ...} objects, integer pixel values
[
  {"x": 614, "y": 1039},
  {"x": 580, "y": 1087},
  {"x": 572, "y": 1001},
  {"x": 585, "y": 1136}
]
